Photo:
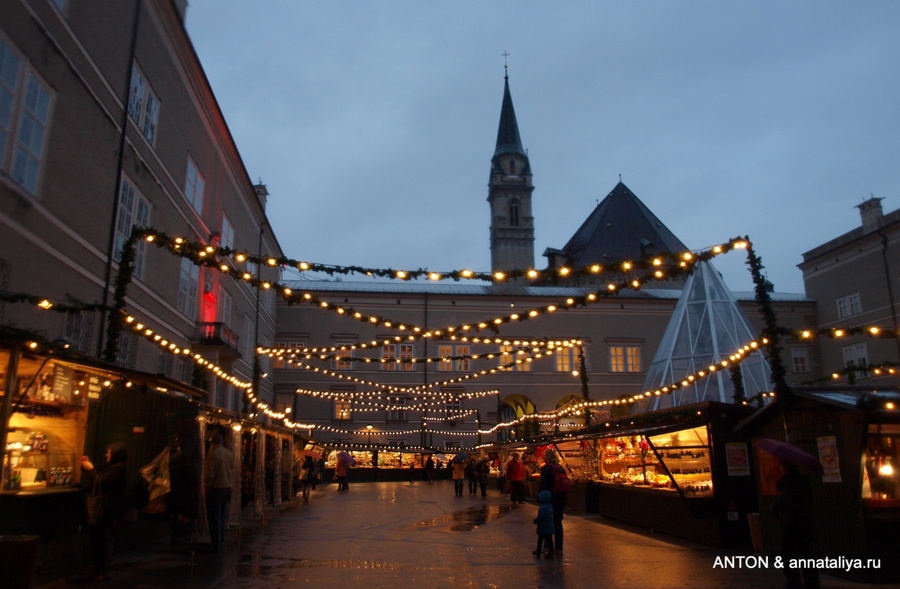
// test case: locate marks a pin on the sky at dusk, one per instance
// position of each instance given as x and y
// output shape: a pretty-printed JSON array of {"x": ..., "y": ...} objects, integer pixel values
[{"x": 373, "y": 123}]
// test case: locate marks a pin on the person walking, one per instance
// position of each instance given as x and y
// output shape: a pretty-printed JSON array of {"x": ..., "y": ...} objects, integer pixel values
[
  {"x": 340, "y": 471},
  {"x": 558, "y": 498},
  {"x": 459, "y": 473},
  {"x": 501, "y": 478},
  {"x": 470, "y": 476},
  {"x": 429, "y": 470},
  {"x": 481, "y": 472},
  {"x": 218, "y": 478},
  {"x": 793, "y": 507},
  {"x": 308, "y": 476},
  {"x": 110, "y": 483},
  {"x": 515, "y": 474},
  {"x": 544, "y": 521}
]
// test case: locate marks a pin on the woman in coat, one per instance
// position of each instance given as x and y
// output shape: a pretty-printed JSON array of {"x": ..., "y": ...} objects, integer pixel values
[{"x": 110, "y": 482}]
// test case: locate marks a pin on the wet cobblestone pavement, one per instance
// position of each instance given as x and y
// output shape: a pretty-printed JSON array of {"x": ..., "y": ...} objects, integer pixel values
[{"x": 418, "y": 535}]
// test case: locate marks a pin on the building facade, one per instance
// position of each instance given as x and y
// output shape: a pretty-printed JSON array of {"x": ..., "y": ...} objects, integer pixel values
[
  {"x": 350, "y": 374},
  {"x": 107, "y": 122},
  {"x": 855, "y": 280}
]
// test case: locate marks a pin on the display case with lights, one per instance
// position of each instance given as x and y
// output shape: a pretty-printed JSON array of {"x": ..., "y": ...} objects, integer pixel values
[
  {"x": 881, "y": 485},
  {"x": 686, "y": 455}
]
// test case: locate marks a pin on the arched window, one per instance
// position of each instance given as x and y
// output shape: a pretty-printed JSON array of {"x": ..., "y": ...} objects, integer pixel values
[{"x": 514, "y": 213}]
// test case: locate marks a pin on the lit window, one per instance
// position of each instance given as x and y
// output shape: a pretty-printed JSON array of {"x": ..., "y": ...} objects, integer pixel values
[
  {"x": 451, "y": 358},
  {"x": 133, "y": 210},
  {"x": 801, "y": 359},
  {"x": 462, "y": 363},
  {"x": 625, "y": 358},
  {"x": 342, "y": 409},
  {"x": 194, "y": 185},
  {"x": 509, "y": 354},
  {"x": 446, "y": 364},
  {"x": 187, "y": 288},
  {"x": 343, "y": 359},
  {"x": 567, "y": 359}
]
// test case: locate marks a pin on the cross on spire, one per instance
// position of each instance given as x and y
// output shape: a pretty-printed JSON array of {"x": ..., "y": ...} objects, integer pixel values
[{"x": 505, "y": 65}]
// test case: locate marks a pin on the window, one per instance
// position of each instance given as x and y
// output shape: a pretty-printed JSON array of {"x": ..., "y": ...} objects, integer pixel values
[
  {"x": 567, "y": 359},
  {"x": 133, "y": 210},
  {"x": 510, "y": 354},
  {"x": 126, "y": 348},
  {"x": 448, "y": 363},
  {"x": 24, "y": 105},
  {"x": 227, "y": 236},
  {"x": 143, "y": 106},
  {"x": 78, "y": 330},
  {"x": 342, "y": 409},
  {"x": 848, "y": 306},
  {"x": 453, "y": 407},
  {"x": 61, "y": 5},
  {"x": 856, "y": 355},
  {"x": 194, "y": 185},
  {"x": 397, "y": 411},
  {"x": 397, "y": 352},
  {"x": 163, "y": 363},
  {"x": 462, "y": 364},
  {"x": 514, "y": 213},
  {"x": 285, "y": 360},
  {"x": 224, "y": 311},
  {"x": 625, "y": 358},
  {"x": 342, "y": 360},
  {"x": 801, "y": 359},
  {"x": 187, "y": 288}
]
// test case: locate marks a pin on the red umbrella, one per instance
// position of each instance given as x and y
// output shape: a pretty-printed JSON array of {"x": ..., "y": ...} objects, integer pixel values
[
  {"x": 789, "y": 452},
  {"x": 312, "y": 453}
]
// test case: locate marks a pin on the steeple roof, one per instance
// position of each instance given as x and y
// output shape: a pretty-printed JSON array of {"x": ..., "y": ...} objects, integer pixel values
[
  {"x": 620, "y": 228},
  {"x": 508, "y": 140}
]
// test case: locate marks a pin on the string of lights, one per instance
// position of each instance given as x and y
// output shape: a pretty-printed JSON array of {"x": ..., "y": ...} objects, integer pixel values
[{"x": 735, "y": 358}]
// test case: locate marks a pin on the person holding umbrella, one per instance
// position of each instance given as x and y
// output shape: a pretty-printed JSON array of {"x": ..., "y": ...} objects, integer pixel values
[
  {"x": 793, "y": 508},
  {"x": 482, "y": 469},
  {"x": 344, "y": 462},
  {"x": 459, "y": 473}
]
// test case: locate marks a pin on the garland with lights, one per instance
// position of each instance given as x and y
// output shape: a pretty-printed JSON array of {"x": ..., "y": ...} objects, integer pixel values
[{"x": 48, "y": 305}]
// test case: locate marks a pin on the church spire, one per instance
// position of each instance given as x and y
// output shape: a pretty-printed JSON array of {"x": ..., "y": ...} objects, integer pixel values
[
  {"x": 508, "y": 140},
  {"x": 509, "y": 195}
]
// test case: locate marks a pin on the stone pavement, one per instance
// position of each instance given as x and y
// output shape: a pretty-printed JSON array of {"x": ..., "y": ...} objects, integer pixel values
[{"x": 419, "y": 535}]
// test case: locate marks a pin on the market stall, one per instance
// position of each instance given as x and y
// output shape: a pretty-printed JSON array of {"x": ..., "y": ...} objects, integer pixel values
[
  {"x": 854, "y": 431},
  {"x": 679, "y": 471}
]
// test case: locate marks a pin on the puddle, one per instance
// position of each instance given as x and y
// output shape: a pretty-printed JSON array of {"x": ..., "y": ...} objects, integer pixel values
[{"x": 466, "y": 520}]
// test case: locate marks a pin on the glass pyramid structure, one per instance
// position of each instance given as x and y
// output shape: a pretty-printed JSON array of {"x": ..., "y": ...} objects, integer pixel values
[{"x": 707, "y": 327}]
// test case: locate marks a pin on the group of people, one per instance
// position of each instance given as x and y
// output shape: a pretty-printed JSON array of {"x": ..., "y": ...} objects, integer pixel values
[
  {"x": 512, "y": 479},
  {"x": 475, "y": 472}
]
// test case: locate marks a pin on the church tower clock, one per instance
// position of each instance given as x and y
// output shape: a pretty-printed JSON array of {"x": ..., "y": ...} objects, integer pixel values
[{"x": 509, "y": 196}]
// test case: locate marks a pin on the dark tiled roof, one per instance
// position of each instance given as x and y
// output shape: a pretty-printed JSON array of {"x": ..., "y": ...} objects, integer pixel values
[{"x": 620, "y": 228}]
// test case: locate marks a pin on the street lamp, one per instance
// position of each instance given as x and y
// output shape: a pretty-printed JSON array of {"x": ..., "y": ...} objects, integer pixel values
[{"x": 369, "y": 435}]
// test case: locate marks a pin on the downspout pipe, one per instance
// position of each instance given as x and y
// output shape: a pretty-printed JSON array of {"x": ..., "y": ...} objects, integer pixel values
[{"x": 110, "y": 246}]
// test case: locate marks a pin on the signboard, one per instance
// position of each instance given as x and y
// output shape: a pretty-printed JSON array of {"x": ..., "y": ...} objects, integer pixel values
[
  {"x": 738, "y": 459},
  {"x": 828, "y": 458},
  {"x": 62, "y": 383}
]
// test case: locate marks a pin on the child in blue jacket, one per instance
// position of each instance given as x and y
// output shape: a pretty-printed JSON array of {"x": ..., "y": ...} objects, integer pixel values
[{"x": 544, "y": 521}]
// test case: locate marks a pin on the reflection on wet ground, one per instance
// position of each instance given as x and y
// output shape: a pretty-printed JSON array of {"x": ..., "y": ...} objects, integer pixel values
[
  {"x": 255, "y": 565},
  {"x": 466, "y": 520}
]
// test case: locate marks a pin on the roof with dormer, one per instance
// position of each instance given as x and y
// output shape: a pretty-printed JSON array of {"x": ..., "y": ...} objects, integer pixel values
[{"x": 620, "y": 228}]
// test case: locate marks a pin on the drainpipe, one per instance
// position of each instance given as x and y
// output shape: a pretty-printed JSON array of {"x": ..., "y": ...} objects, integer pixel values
[{"x": 110, "y": 246}]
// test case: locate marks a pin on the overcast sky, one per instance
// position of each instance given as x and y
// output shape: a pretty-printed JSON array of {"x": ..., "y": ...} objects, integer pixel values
[{"x": 373, "y": 123}]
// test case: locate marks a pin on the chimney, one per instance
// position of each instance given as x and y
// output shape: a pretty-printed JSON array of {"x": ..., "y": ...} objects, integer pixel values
[
  {"x": 871, "y": 213},
  {"x": 262, "y": 193}
]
